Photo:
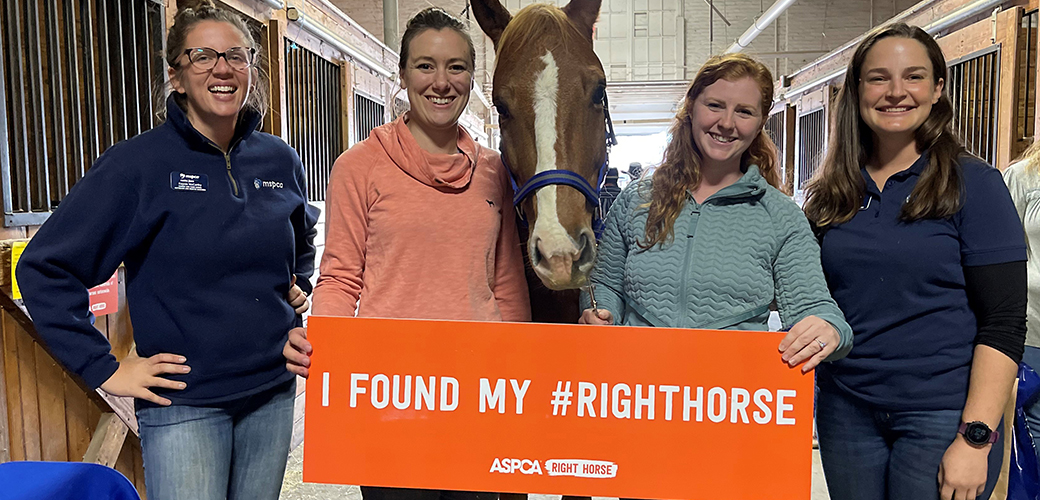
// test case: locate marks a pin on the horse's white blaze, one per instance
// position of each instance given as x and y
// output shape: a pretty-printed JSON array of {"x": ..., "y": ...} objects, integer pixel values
[{"x": 547, "y": 229}]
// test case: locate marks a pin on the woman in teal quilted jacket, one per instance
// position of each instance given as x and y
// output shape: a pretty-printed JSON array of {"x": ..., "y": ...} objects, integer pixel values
[{"x": 708, "y": 241}]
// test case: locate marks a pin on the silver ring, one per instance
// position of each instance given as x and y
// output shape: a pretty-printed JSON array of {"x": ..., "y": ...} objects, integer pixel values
[{"x": 822, "y": 344}]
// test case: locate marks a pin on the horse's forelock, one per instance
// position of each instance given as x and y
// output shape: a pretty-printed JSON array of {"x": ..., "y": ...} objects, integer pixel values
[{"x": 538, "y": 22}]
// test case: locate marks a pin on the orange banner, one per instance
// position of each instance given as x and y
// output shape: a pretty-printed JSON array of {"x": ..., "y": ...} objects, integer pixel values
[{"x": 556, "y": 409}]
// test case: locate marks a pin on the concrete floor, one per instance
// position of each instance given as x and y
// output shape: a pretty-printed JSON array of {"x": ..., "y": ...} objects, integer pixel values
[{"x": 293, "y": 488}]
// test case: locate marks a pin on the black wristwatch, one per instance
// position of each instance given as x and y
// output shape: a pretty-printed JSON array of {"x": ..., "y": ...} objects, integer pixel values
[{"x": 978, "y": 433}]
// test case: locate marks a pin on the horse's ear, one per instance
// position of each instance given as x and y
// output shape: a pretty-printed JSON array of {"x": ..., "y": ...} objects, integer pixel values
[
  {"x": 584, "y": 14},
  {"x": 492, "y": 18}
]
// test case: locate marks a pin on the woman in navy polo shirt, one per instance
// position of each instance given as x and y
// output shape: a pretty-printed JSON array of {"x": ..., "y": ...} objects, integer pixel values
[{"x": 923, "y": 251}]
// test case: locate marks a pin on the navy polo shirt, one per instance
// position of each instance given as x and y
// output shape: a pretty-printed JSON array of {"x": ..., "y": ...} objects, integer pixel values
[{"x": 901, "y": 287}]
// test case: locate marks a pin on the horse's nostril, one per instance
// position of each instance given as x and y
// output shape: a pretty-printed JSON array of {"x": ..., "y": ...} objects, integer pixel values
[
  {"x": 583, "y": 243},
  {"x": 588, "y": 250},
  {"x": 536, "y": 254}
]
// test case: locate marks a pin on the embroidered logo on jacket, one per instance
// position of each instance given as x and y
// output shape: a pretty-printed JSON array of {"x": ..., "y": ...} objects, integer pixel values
[{"x": 257, "y": 183}]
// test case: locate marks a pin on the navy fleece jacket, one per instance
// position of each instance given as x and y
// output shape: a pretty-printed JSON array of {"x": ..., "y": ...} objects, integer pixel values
[{"x": 210, "y": 243}]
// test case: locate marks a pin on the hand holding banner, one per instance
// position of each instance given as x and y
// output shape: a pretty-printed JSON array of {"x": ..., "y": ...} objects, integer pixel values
[{"x": 556, "y": 409}]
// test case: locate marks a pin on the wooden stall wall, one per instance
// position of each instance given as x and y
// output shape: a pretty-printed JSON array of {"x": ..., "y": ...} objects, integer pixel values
[
  {"x": 46, "y": 413},
  {"x": 1025, "y": 126}
]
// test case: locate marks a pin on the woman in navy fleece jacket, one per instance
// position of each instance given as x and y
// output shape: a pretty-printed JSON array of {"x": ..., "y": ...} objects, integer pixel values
[{"x": 211, "y": 220}]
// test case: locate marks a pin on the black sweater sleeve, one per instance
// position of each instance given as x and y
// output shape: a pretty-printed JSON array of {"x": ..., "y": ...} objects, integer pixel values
[{"x": 997, "y": 294}]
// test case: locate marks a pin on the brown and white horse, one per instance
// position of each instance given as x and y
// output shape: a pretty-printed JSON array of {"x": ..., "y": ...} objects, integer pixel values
[{"x": 550, "y": 92}]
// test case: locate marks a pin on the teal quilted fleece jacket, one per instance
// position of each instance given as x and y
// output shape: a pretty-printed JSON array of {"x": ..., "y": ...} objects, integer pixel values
[{"x": 732, "y": 256}]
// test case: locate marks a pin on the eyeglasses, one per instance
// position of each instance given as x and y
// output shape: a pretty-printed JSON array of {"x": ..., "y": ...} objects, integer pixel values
[{"x": 205, "y": 58}]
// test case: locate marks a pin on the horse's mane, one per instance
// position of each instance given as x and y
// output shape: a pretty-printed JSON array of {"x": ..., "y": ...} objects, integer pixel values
[{"x": 537, "y": 22}]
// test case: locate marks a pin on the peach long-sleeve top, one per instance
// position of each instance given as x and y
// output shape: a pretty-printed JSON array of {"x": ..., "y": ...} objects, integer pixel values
[{"x": 410, "y": 234}]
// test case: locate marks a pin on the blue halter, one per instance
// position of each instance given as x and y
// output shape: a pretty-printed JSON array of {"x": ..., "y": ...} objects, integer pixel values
[{"x": 568, "y": 178}]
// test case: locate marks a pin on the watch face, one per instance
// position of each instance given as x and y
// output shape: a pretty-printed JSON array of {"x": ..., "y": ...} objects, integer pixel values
[{"x": 977, "y": 433}]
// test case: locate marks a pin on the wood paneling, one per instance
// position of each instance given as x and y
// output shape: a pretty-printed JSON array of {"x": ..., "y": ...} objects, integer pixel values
[
  {"x": 77, "y": 421},
  {"x": 13, "y": 386},
  {"x": 29, "y": 396},
  {"x": 5, "y": 428},
  {"x": 51, "y": 393}
]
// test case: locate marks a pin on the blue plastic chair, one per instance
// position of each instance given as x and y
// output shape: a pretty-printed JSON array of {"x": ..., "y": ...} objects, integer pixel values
[{"x": 63, "y": 480}]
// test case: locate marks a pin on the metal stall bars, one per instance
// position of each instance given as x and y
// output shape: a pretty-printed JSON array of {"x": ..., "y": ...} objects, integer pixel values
[
  {"x": 75, "y": 78},
  {"x": 812, "y": 143},
  {"x": 974, "y": 85},
  {"x": 314, "y": 107},
  {"x": 368, "y": 114},
  {"x": 776, "y": 130}
]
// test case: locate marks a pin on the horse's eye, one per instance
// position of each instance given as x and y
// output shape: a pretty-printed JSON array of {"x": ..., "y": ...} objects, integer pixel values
[
  {"x": 598, "y": 95},
  {"x": 503, "y": 111}
]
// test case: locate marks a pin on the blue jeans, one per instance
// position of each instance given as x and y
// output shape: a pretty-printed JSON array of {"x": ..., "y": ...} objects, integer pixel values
[
  {"x": 1032, "y": 358},
  {"x": 873, "y": 454},
  {"x": 235, "y": 450}
]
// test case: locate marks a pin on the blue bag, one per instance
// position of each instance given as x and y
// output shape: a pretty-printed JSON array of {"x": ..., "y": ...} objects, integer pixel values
[{"x": 1024, "y": 473}]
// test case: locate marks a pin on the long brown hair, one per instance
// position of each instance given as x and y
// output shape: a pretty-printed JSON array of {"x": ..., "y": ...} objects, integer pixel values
[
  {"x": 836, "y": 193},
  {"x": 681, "y": 169},
  {"x": 189, "y": 14}
]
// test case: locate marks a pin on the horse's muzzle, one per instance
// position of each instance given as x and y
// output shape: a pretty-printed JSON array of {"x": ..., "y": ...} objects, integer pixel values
[{"x": 567, "y": 269}]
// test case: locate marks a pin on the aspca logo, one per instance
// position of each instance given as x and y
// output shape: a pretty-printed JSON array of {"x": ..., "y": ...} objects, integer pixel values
[
  {"x": 257, "y": 183},
  {"x": 188, "y": 176},
  {"x": 511, "y": 465}
]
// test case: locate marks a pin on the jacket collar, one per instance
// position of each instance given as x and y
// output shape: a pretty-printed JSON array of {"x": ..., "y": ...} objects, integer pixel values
[
  {"x": 177, "y": 117},
  {"x": 750, "y": 186}
]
